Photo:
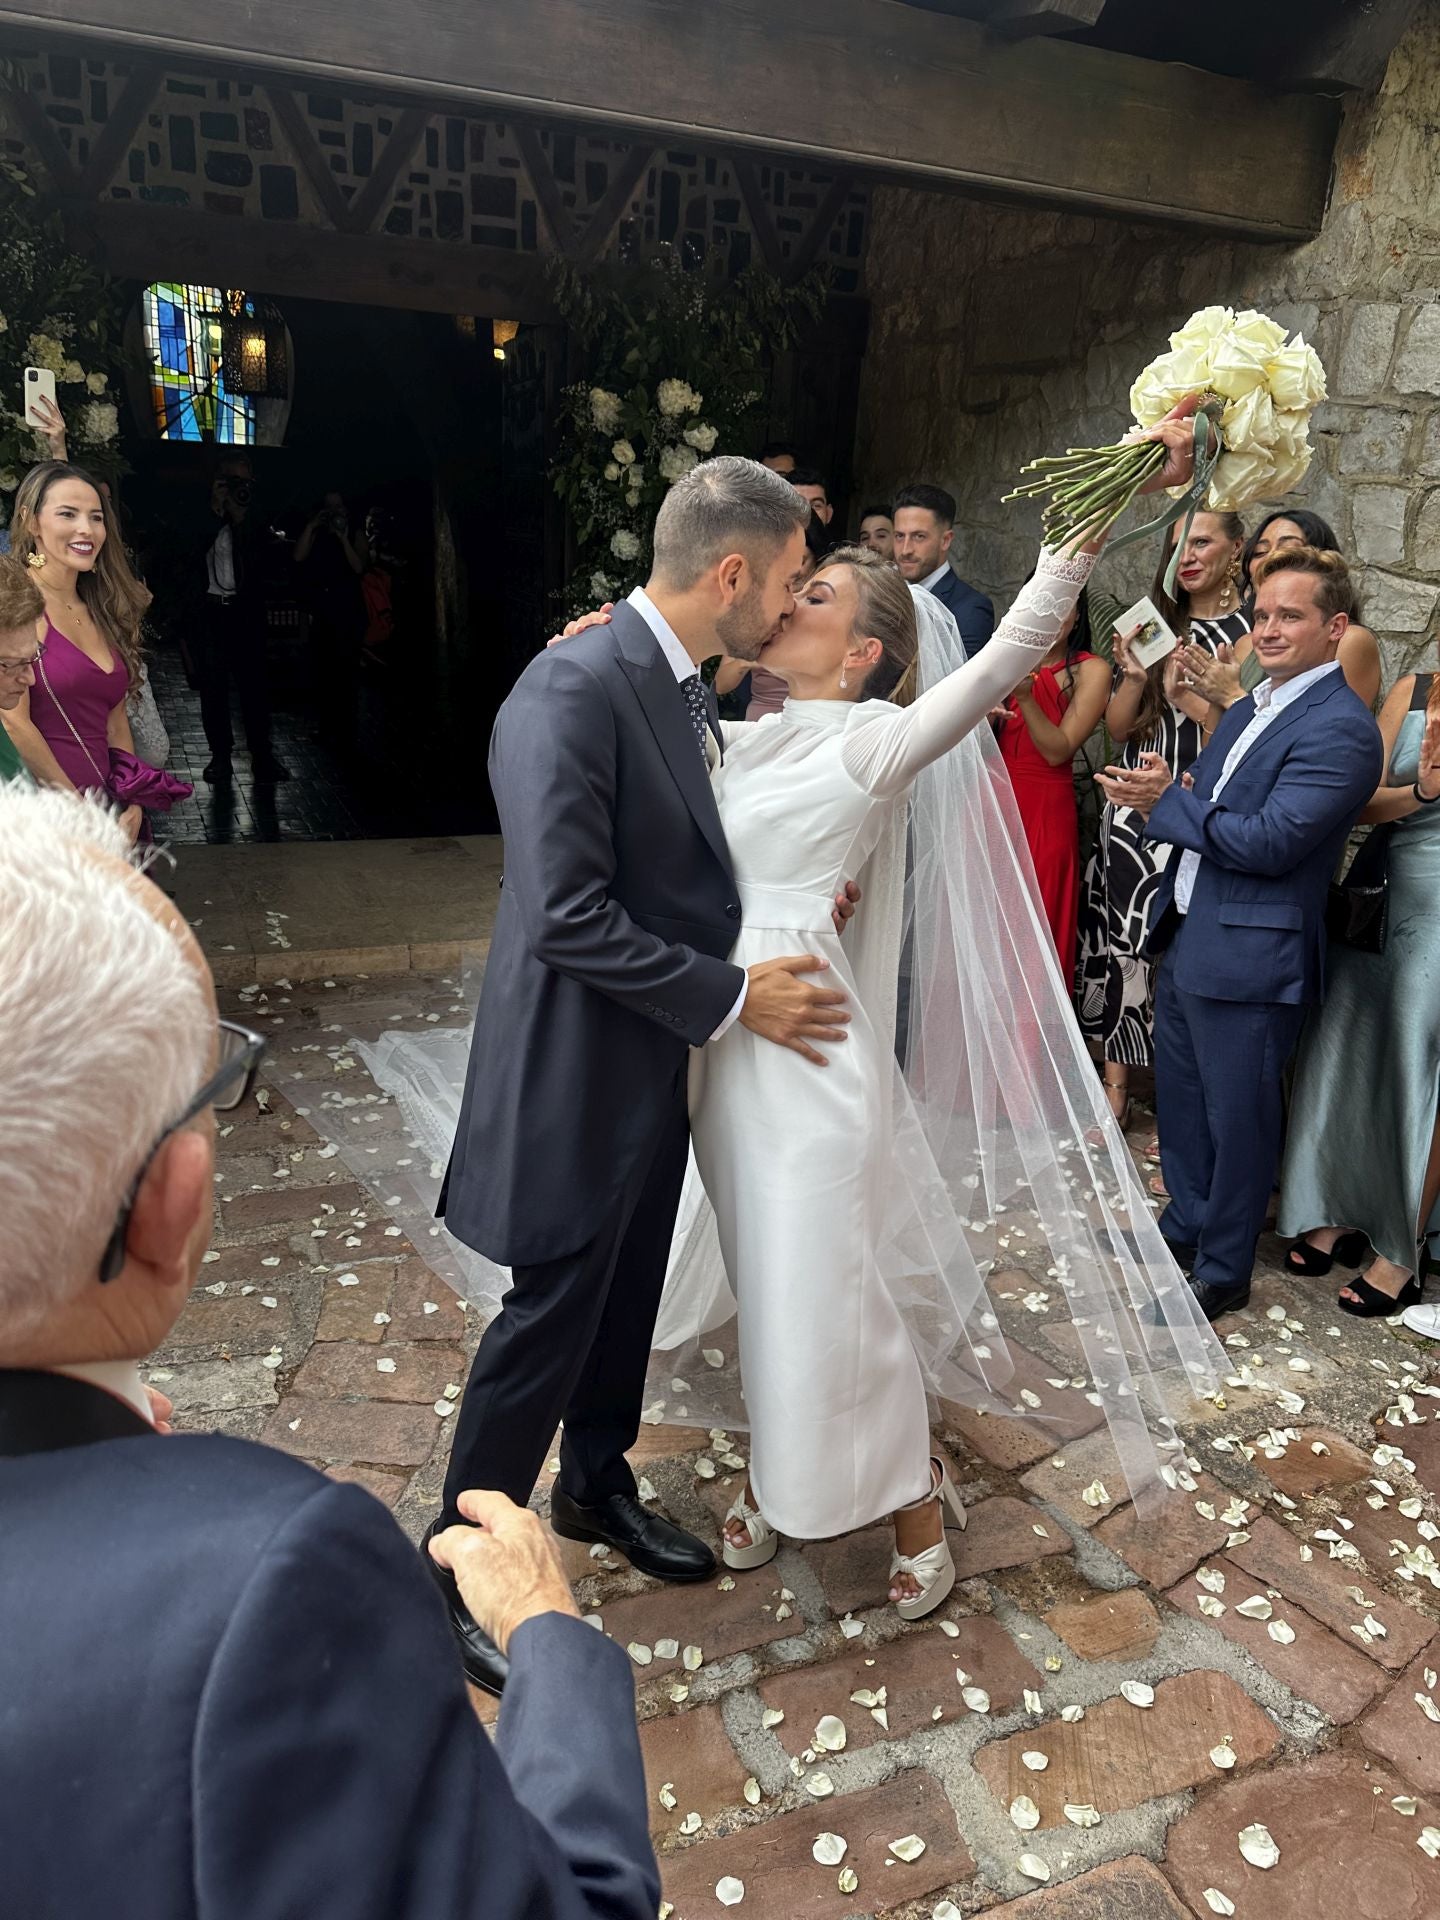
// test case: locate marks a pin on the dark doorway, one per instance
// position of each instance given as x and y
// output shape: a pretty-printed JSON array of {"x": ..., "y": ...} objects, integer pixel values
[{"x": 383, "y": 686}]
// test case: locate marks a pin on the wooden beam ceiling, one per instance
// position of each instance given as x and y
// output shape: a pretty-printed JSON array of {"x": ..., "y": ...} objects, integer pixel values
[
  {"x": 891, "y": 91},
  {"x": 1351, "y": 52},
  {"x": 1019, "y": 17}
]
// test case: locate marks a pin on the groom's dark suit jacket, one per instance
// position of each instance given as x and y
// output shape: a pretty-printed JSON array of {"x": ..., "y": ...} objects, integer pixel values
[
  {"x": 228, "y": 1691},
  {"x": 617, "y": 910}
]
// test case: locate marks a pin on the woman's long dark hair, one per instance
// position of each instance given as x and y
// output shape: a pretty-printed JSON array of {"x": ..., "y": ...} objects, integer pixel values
[
  {"x": 1318, "y": 533},
  {"x": 115, "y": 600}
]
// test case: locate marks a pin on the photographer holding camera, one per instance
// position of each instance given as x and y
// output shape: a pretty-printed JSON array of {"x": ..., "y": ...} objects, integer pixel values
[{"x": 231, "y": 641}]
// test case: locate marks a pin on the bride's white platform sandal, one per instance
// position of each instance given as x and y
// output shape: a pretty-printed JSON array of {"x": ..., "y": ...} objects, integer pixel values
[
  {"x": 764, "y": 1541},
  {"x": 933, "y": 1570}
]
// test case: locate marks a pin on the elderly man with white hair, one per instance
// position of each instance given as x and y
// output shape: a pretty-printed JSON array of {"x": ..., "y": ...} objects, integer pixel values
[{"x": 226, "y": 1686}]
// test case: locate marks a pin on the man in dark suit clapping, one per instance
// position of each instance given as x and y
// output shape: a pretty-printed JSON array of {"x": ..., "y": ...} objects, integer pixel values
[
  {"x": 229, "y": 1689},
  {"x": 1257, "y": 827}
]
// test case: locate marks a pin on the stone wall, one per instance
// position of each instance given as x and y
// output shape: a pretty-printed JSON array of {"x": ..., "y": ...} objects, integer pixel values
[{"x": 998, "y": 335}]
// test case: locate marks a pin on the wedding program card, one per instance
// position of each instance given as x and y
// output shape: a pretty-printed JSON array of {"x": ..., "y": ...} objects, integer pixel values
[{"x": 1155, "y": 638}]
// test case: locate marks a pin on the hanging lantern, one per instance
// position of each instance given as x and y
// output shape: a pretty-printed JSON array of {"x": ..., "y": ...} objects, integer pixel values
[
  {"x": 253, "y": 343},
  {"x": 502, "y": 332}
]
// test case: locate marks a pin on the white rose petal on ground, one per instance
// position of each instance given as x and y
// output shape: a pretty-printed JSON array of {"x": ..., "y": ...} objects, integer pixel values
[
  {"x": 1025, "y": 1813},
  {"x": 908, "y": 1849},
  {"x": 1210, "y": 1606},
  {"x": 666, "y": 1649},
  {"x": 852, "y": 1629},
  {"x": 829, "y": 1849},
  {"x": 820, "y": 1786},
  {"x": 1032, "y": 1701},
  {"x": 1258, "y": 1848},
  {"x": 1428, "y": 1707},
  {"x": 1036, "y": 1762},
  {"x": 666, "y": 1796},
  {"x": 692, "y": 1823},
  {"x": 1218, "y": 1902},
  {"x": 751, "y": 1791},
  {"x": 1033, "y": 1867},
  {"x": 1211, "y": 1579},
  {"x": 848, "y": 1881},
  {"x": 1407, "y": 1804},
  {"x": 1223, "y": 1756},
  {"x": 772, "y": 1716},
  {"x": 692, "y": 1659},
  {"x": 1086, "y": 1816},
  {"x": 1282, "y": 1631},
  {"x": 729, "y": 1891},
  {"x": 1095, "y": 1495},
  {"x": 947, "y": 1910},
  {"x": 950, "y": 1630},
  {"x": 1138, "y": 1694},
  {"x": 1072, "y": 1714},
  {"x": 1257, "y": 1607},
  {"x": 1429, "y": 1841},
  {"x": 641, "y": 1655},
  {"x": 830, "y": 1734},
  {"x": 978, "y": 1700}
]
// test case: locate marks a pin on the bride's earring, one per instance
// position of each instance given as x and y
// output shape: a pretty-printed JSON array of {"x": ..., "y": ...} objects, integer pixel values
[{"x": 843, "y": 681}]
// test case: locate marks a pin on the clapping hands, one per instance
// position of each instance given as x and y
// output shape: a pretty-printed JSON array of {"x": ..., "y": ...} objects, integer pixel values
[{"x": 1140, "y": 786}]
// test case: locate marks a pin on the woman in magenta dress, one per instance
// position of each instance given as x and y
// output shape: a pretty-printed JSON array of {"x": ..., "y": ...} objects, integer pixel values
[
  {"x": 1041, "y": 728},
  {"x": 64, "y": 530}
]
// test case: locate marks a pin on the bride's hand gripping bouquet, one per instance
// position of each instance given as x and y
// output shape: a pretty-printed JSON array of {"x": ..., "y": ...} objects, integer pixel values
[{"x": 1254, "y": 391}]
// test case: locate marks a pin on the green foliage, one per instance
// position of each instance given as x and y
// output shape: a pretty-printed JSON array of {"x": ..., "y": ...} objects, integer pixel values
[
  {"x": 675, "y": 368},
  {"x": 56, "y": 311}
]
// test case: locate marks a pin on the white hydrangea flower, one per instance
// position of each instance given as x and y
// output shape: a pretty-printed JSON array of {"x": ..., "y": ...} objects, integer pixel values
[
  {"x": 612, "y": 470},
  {"x": 623, "y": 453},
  {"x": 96, "y": 382},
  {"x": 605, "y": 410},
  {"x": 9, "y": 481},
  {"x": 599, "y": 586},
  {"x": 73, "y": 374},
  {"x": 674, "y": 397},
  {"x": 676, "y": 462},
  {"x": 624, "y": 545},
  {"x": 702, "y": 437},
  {"x": 100, "y": 421},
  {"x": 44, "y": 351}
]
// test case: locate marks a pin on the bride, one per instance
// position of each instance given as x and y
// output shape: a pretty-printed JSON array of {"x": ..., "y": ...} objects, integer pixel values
[{"x": 861, "y": 1222}]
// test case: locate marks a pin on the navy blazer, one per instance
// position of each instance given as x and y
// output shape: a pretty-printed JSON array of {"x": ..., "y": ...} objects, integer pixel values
[
  {"x": 608, "y": 961},
  {"x": 1269, "y": 846},
  {"x": 974, "y": 612},
  {"x": 228, "y": 1690}
]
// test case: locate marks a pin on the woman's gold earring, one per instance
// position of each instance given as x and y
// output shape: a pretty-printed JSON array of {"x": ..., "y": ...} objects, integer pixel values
[
  {"x": 35, "y": 560},
  {"x": 1230, "y": 592}
]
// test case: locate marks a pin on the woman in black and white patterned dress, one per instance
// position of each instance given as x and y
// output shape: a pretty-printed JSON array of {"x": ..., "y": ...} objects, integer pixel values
[{"x": 1149, "y": 712}]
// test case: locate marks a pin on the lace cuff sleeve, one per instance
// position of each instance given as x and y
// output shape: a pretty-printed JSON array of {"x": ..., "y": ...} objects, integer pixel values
[{"x": 1046, "y": 600}]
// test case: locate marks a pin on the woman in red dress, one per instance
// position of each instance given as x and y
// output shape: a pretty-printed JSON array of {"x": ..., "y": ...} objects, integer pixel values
[{"x": 1041, "y": 728}]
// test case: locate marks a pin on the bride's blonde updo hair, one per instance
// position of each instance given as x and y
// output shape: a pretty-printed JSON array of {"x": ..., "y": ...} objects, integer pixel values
[{"x": 884, "y": 611}]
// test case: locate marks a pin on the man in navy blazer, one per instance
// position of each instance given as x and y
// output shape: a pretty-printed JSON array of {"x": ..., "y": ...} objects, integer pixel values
[
  {"x": 1257, "y": 826},
  {"x": 229, "y": 1688},
  {"x": 924, "y": 529}
]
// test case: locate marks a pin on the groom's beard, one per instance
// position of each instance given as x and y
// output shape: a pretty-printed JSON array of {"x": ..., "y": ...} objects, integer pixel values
[{"x": 744, "y": 629}]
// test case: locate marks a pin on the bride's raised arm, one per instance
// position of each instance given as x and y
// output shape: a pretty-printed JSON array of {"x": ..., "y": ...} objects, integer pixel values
[{"x": 884, "y": 756}]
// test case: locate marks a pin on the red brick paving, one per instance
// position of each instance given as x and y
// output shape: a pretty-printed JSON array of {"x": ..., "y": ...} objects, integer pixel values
[
  {"x": 380, "y": 1430},
  {"x": 781, "y": 1877}
]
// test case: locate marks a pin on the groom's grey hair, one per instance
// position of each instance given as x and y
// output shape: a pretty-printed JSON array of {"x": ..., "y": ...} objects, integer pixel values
[
  {"x": 725, "y": 505},
  {"x": 105, "y": 1033}
]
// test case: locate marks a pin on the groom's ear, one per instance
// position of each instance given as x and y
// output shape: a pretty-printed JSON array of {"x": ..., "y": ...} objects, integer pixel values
[{"x": 730, "y": 576}]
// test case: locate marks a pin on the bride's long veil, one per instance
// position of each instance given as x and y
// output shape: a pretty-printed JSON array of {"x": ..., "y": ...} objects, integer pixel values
[{"x": 1020, "y": 1245}]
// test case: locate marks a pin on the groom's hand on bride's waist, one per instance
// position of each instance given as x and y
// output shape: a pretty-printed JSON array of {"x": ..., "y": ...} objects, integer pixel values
[
  {"x": 791, "y": 1011},
  {"x": 846, "y": 901}
]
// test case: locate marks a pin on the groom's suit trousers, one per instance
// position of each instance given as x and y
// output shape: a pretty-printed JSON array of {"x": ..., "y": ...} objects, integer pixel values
[{"x": 572, "y": 1343}]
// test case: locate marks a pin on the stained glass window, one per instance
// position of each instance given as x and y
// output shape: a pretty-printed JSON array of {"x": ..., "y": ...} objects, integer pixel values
[{"x": 187, "y": 371}]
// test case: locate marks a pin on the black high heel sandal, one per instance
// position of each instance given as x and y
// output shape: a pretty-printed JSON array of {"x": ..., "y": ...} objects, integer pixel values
[
  {"x": 1307, "y": 1262},
  {"x": 1372, "y": 1304}
]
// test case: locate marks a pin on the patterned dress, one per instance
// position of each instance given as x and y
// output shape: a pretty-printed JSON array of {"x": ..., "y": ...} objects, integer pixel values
[{"x": 1115, "y": 993}]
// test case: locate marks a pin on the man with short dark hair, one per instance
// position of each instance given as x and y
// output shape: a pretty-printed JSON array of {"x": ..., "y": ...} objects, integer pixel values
[
  {"x": 924, "y": 530},
  {"x": 779, "y": 456},
  {"x": 1258, "y": 825},
  {"x": 609, "y": 963},
  {"x": 877, "y": 531}
]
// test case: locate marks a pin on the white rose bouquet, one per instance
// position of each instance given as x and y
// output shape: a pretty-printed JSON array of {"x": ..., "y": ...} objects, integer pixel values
[{"x": 1256, "y": 391}]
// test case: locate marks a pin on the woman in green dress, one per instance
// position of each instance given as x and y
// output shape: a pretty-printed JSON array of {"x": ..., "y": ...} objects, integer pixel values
[{"x": 1363, "y": 1156}]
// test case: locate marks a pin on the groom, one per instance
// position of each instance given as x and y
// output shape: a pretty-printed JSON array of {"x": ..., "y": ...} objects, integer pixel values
[{"x": 617, "y": 910}]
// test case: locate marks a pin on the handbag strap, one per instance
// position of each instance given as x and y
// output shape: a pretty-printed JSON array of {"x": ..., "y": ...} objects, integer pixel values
[
  {"x": 1420, "y": 697},
  {"x": 59, "y": 708}
]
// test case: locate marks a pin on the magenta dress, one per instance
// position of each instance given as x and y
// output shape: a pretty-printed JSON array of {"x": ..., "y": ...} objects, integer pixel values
[{"x": 69, "y": 679}]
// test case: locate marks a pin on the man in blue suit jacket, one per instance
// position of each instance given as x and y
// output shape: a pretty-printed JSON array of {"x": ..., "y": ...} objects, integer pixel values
[
  {"x": 1258, "y": 826},
  {"x": 229, "y": 1688},
  {"x": 924, "y": 530}
]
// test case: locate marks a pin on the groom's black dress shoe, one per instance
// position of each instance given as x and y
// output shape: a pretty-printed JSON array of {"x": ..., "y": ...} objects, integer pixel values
[
  {"x": 1217, "y": 1301},
  {"x": 482, "y": 1660},
  {"x": 655, "y": 1545}
]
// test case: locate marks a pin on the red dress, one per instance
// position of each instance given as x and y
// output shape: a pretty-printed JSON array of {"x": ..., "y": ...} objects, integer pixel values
[{"x": 1046, "y": 798}]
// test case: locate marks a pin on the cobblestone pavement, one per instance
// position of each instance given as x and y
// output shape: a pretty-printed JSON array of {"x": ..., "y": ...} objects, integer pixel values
[{"x": 1276, "y": 1628}]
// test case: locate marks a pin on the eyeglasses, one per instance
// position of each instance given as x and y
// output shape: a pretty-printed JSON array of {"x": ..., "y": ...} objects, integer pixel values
[
  {"x": 226, "y": 1089},
  {"x": 32, "y": 660}
]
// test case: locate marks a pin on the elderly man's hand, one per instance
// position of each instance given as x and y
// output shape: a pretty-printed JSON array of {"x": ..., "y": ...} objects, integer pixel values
[{"x": 504, "y": 1565}]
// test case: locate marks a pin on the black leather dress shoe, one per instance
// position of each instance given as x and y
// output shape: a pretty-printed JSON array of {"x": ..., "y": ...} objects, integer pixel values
[
  {"x": 1217, "y": 1301},
  {"x": 655, "y": 1545},
  {"x": 482, "y": 1660}
]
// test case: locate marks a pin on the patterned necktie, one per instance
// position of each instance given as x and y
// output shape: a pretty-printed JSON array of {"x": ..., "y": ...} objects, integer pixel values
[{"x": 693, "y": 688}]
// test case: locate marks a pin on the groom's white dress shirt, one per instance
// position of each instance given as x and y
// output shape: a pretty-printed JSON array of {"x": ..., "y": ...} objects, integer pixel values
[{"x": 683, "y": 668}]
